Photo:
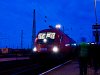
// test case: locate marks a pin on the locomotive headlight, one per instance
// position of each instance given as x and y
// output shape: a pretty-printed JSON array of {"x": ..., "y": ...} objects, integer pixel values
[
  {"x": 45, "y": 40},
  {"x": 55, "y": 49},
  {"x": 34, "y": 49}
]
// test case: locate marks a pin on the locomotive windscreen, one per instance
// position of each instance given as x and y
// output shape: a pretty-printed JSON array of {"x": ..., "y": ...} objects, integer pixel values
[
  {"x": 46, "y": 37},
  {"x": 50, "y": 35}
]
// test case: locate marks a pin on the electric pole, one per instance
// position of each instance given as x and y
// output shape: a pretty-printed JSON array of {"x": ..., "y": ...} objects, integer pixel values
[
  {"x": 21, "y": 39},
  {"x": 96, "y": 33},
  {"x": 33, "y": 29},
  {"x": 95, "y": 11}
]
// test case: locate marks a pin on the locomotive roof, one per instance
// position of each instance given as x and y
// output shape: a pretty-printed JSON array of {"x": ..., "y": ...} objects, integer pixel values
[{"x": 58, "y": 31}]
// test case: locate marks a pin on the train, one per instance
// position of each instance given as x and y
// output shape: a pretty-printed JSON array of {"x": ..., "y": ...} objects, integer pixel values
[{"x": 53, "y": 43}]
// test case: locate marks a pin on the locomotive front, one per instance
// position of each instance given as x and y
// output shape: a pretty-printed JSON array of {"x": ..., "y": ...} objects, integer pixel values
[{"x": 47, "y": 41}]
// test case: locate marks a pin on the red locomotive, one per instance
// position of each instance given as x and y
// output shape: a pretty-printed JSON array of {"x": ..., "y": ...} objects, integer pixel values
[{"x": 53, "y": 41}]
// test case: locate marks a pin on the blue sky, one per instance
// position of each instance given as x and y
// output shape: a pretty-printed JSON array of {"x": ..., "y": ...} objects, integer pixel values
[{"x": 76, "y": 16}]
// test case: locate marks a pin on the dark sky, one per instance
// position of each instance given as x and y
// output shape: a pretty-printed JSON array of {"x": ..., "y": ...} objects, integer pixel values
[{"x": 77, "y": 17}]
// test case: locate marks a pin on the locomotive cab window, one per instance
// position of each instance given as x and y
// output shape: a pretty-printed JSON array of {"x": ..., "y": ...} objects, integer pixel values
[
  {"x": 50, "y": 35},
  {"x": 41, "y": 35},
  {"x": 47, "y": 38}
]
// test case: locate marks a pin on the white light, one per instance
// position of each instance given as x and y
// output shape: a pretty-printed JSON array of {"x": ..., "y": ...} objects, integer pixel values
[
  {"x": 55, "y": 49},
  {"x": 45, "y": 40},
  {"x": 34, "y": 49},
  {"x": 92, "y": 43},
  {"x": 58, "y": 26},
  {"x": 74, "y": 44},
  {"x": 67, "y": 44},
  {"x": 88, "y": 43}
]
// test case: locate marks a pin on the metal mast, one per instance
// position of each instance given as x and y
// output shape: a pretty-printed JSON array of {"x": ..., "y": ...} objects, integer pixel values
[
  {"x": 33, "y": 29},
  {"x": 21, "y": 39},
  {"x": 95, "y": 11},
  {"x": 96, "y": 33}
]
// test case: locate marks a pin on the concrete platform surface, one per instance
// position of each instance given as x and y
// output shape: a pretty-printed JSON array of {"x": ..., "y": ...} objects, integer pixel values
[{"x": 69, "y": 69}]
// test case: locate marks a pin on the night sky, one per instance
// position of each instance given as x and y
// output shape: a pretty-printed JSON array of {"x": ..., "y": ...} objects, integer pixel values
[{"x": 77, "y": 17}]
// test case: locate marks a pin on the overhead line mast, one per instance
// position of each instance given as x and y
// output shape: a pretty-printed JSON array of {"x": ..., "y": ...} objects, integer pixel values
[
  {"x": 33, "y": 29},
  {"x": 21, "y": 39},
  {"x": 95, "y": 11},
  {"x": 96, "y": 26}
]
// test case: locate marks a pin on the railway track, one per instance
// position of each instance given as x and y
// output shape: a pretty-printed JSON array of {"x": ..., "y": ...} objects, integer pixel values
[
  {"x": 26, "y": 67},
  {"x": 11, "y": 67}
]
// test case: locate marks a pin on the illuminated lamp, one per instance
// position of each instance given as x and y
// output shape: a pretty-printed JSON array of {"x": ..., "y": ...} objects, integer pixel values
[
  {"x": 88, "y": 43},
  {"x": 74, "y": 44},
  {"x": 45, "y": 40},
  {"x": 92, "y": 43},
  {"x": 67, "y": 44},
  {"x": 34, "y": 49},
  {"x": 58, "y": 26},
  {"x": 55, "y": 49}
]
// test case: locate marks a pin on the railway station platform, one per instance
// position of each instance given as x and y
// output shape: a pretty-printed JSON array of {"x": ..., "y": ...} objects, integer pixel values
[
  {"x": 13, "y": 58},
  {"x": 71, "y": 68}
]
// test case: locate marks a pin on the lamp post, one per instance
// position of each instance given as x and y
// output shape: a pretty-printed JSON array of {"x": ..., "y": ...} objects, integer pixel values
[{"x": 96, "y": 33}]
